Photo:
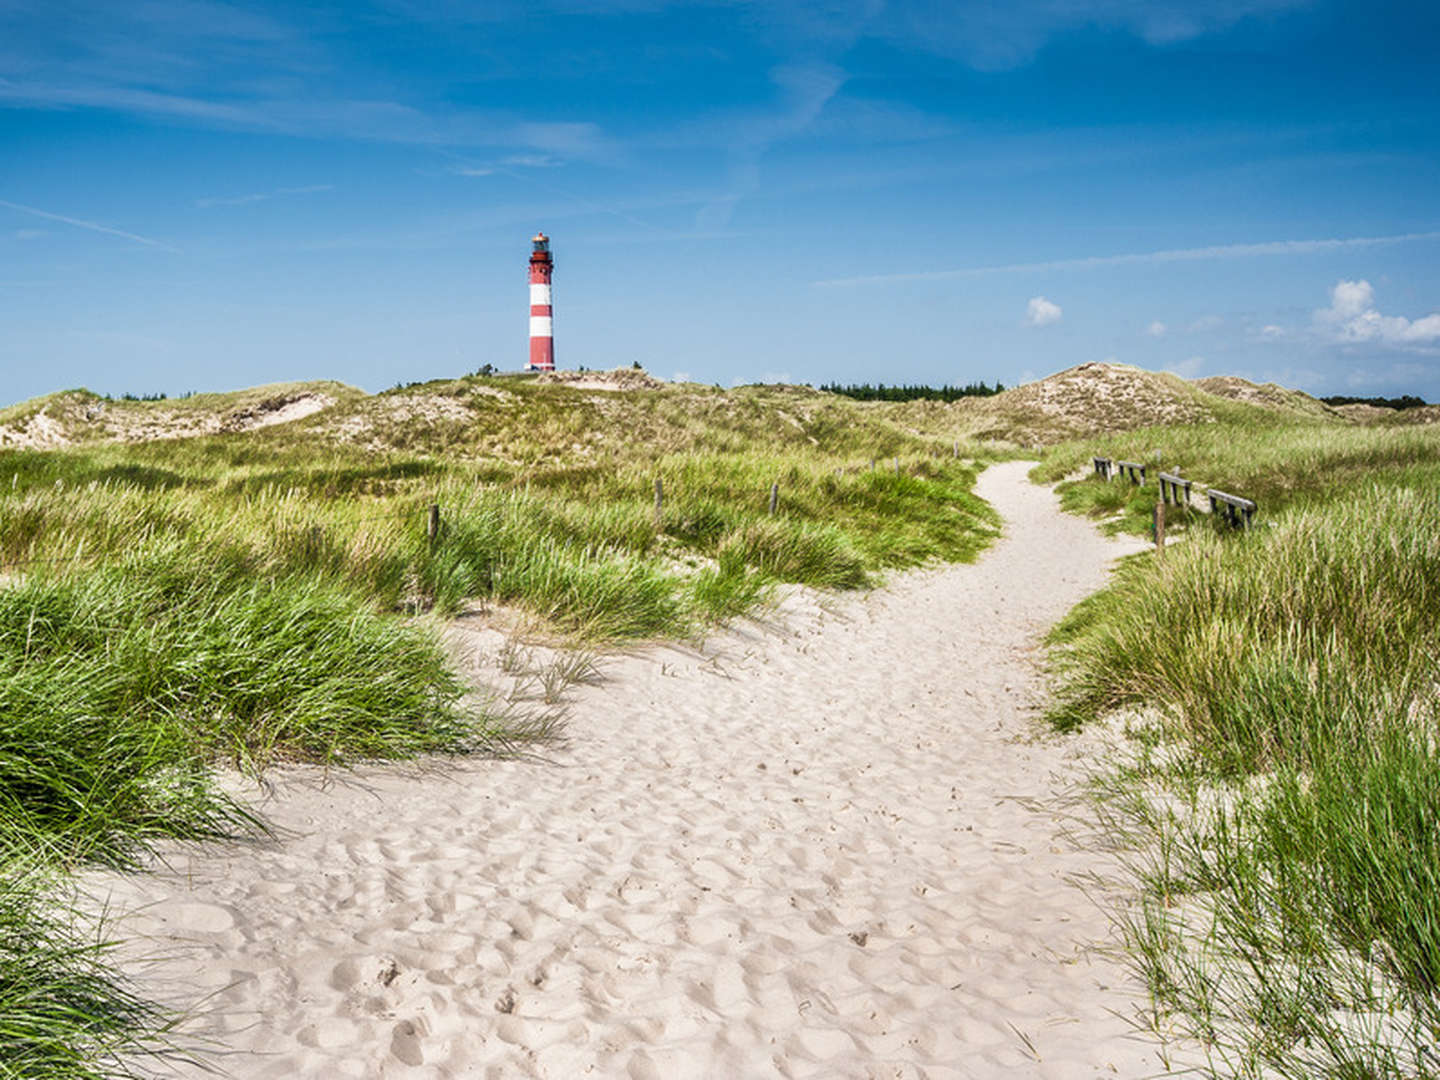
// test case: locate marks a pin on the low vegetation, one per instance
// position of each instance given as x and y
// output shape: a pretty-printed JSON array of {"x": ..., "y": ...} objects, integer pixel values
[{"x": 1283, "y": 801}]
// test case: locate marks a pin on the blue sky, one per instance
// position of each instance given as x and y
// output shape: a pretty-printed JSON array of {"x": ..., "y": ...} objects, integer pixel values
[{"x": 197, "y": 195}]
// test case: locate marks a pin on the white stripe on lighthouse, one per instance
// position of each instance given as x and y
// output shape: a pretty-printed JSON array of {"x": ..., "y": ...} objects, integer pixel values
[
  {"x": 541, "y": 326},
  {"x": 539, "y": 294}
]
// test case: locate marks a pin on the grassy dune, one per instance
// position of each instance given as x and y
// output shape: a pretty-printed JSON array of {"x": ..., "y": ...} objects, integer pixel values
[
  {"x": 249, "y": 592},
  {"x": 1284, "y": 800}
]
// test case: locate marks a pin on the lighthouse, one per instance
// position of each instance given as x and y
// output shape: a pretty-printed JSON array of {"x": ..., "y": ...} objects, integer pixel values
[{"x": 542, "y": 327}]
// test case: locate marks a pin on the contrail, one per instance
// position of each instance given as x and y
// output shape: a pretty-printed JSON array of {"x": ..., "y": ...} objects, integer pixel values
[
  {"x": 92, "y": 225},
  {"x": 1219, "y": 251}
]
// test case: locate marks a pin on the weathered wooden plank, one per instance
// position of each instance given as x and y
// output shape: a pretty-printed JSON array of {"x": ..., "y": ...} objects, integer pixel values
[
  {"x": 1171, "y": 486},
  {"x": 1130, "y": 468},
  {"x": 1239, "y": 510}
]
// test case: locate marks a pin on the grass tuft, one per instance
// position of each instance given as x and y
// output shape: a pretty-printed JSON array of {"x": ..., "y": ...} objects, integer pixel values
[{"x": 1294, "y": 895}]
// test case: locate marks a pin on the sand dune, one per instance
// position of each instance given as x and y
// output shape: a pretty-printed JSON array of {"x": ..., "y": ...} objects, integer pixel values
[{"x": 821, "y": 846}]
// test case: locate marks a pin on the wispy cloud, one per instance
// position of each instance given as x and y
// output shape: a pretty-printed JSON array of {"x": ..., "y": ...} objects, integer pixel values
[
  {"x": 260, "y": 196},
  {"x": 531, "y": 161},
  {"x": 93, "y": 226},
  {"x": 1097, "y": 262},
  {"x": 804, "y": 91},
  {"x": 997, "y": 37},
  {"x": 326, "y": 118},
  {"x": 506, "y": 164}
]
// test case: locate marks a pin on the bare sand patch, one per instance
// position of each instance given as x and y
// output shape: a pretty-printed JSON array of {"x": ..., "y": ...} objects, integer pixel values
[
  {"x": 40, "y": 432},
  {"x": 617, "y": 379},
  {"x": 826, "y": 844},
  {"x": 276, "y": 411}
]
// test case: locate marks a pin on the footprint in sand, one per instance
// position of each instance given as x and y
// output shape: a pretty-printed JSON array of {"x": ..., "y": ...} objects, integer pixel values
[{"x": 405, "y": 1043}]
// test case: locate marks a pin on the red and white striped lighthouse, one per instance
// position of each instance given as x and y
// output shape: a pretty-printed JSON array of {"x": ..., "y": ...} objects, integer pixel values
[{"x": 542, "y": 321}]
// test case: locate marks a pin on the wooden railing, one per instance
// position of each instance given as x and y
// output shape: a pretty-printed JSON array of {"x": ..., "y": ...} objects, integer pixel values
[
  {"x": 1175, "y": 490},
  {"x": 1133, "y": 469},
  {"x": 1237, "y": 510},
  {"x": 1171, "y": 487}
]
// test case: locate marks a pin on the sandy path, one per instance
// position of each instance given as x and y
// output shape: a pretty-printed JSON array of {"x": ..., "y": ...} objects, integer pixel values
[{"x": 809, "y": 852}]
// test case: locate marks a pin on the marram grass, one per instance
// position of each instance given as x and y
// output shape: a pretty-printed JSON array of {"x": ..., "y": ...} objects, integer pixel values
[
  {"x": 1292, "y": 865},
  {"x": 64, "y": 1015}
]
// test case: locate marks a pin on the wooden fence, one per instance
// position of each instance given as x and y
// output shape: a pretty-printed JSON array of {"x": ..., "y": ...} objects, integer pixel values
[{"x": 1175, "y": 490}]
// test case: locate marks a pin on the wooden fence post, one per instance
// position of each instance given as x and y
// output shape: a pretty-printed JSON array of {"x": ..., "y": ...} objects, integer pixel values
[
  {"x": 432, "y": 524},
  {"x": 1159, "y": 528},
  {"x": 897, "y": 466},
  {"x": 659, "y": 506},
  {"x": 774, "y": 498}
]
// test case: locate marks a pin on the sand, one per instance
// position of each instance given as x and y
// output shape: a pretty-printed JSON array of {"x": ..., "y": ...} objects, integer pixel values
[{"x": 824, "y": 845}]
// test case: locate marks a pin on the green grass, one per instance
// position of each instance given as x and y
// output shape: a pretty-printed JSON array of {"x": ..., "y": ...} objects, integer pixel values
[
  {"x": 63, "y": 1014},
  {"x": 1287, "y": 802},
  {"x": 576, "y": 543}
]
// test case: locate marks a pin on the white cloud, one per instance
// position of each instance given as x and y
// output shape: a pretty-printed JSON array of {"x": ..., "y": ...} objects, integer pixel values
[
  {"x": 1204, "y": 323},
  {"x": 1156, "y": 329},
  {"x": 1351, "y": 298},
  {"x": 1271, "y": 332},
  {"x": 1353, "y": 318},
  {"x": 30, "y": 234},
  {"x": 1042, "y": 312}
]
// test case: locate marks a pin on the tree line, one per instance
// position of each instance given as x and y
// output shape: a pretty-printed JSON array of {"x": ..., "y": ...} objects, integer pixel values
[
  {"x": 1405, "y": 401},
  {"x": 881, "y": 392}
]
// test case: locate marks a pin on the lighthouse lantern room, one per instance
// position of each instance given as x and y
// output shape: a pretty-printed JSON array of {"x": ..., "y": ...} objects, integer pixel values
[{"x": 542, "y": 329}]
